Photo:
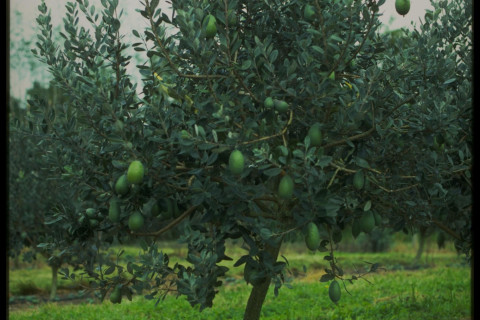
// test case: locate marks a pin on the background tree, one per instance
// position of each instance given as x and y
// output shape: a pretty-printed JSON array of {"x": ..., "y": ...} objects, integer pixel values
[
  {"x": 256, "y": 77},
  {"x": 35, "y": 197},
  {"x": 439, "y": 56}
]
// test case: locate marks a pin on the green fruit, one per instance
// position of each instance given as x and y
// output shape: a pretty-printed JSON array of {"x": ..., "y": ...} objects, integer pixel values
[
  {"x": 309, "y": 12},
  {"x": 116, "y": 295},
  {"x": 184, "y": 134},
  {"x": 402, "y": 6},
  {"x": 93, "y": 222},
  {"x": 121, "y": 186},
  {"x": 135, "y": 172},
  {"x": 312, "y": 238},
  {"x": 334, "y": 291},
  {"x": 356, "y": 229},
  {"x": 359, "y": 179},
  {"x": 281, "y": 106},
  {"x": 367, "y": 222},
  {"x": 268, "y": 103},
  {"x": 236, "y": 162},
  {"x": 114, "y": 211},
  {"x": 91, "y": 212},
  {"x": 285, "y": 187},
  {"x": 136, "y": 221},
  {"x": 211, "y": 29},
  {"x": 315, "y": 135}
]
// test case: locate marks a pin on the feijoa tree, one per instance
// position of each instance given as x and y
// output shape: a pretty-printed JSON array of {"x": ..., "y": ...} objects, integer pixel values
[
  {"x": 255, "y": 120},
  {"x": 435, "y": 66}
]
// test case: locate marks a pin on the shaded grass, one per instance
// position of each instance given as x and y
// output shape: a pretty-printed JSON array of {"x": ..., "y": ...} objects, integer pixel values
[{"x": 36, "y": 281}]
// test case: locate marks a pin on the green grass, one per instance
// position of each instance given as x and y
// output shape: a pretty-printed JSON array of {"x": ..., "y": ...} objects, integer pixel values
[
  {"x": 435, "y": 293},
  {"x": 441, "y": 291}
]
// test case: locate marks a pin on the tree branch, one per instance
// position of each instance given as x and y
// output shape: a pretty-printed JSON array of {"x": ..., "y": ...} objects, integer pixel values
[
  {"x": 352, "y": 138},
  {"x": 446, "y": 229},
  {"x": 401, "y": 103},
  {"x": 272, "y": 136},
  {"x": 172, "y": 224}
]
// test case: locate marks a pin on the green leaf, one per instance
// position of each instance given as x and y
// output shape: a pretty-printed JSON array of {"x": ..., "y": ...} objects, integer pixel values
[
  {"x": 241, "y": 260},
  {"x": 246, "y": 65},
  {"x": 272, "y": 172},
  {"x": 450, "y": 81},
  {"x": 367, "y": 206},
  {"x": 336, "y": 38},
  {"x": 327, "y": 277},
  {"x": 324, "y": 161},
  {"x": 273, "y": 56},
  {"x": 284, "y": 150},
  {"x": 265, "y": 233},
  {"x": 298, "y": 153},
  {"x": 362, "y": 163},
  {"x": 109, "y": 270},
  {"x": 318, "y": 49},
  {"x": 120, "y": 164}
]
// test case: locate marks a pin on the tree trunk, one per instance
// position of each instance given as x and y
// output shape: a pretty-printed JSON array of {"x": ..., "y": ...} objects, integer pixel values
[
  {"x": 16, "y": 262},
  {"x": 259, "y": 292},
  {"x": 53, "y": 291},
  {"x": 422, "y": 235}
]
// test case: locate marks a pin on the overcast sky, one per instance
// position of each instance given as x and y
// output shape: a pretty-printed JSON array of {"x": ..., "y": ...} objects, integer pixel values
[{"x": 24, "y": 12}]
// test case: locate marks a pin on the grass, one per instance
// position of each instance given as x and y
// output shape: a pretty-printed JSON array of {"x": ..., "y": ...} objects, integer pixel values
[
  {"x": 441, "y": 291},
  {"x": 36, "y": 281},
  {"x": 438, "y": 293}
]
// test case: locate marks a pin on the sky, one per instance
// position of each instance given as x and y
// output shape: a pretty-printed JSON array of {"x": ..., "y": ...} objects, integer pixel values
[{"x": 23, "y": 25}]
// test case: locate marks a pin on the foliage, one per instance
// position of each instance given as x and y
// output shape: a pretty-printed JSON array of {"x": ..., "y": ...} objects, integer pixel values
[
  {"x": 399, "y": 114},
  {"x": 44, "y": 217},
  {"x": 438, "y": 67},
  {"x": 33, "y": 200}
]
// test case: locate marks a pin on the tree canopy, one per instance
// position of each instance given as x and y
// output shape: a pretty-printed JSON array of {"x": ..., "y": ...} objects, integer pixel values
[{"x": 392, "y": 139}]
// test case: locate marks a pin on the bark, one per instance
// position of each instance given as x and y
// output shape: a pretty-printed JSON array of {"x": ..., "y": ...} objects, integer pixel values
[
  {"x": 422, "y": 236},
  {"x": 53, "y": 291},
  {"x": 16, "y": 262},
  {"x": 259, "y": 292}
]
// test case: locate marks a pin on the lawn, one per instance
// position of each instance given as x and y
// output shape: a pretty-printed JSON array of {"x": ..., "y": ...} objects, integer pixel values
[{"x": 440, "y": 288}]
